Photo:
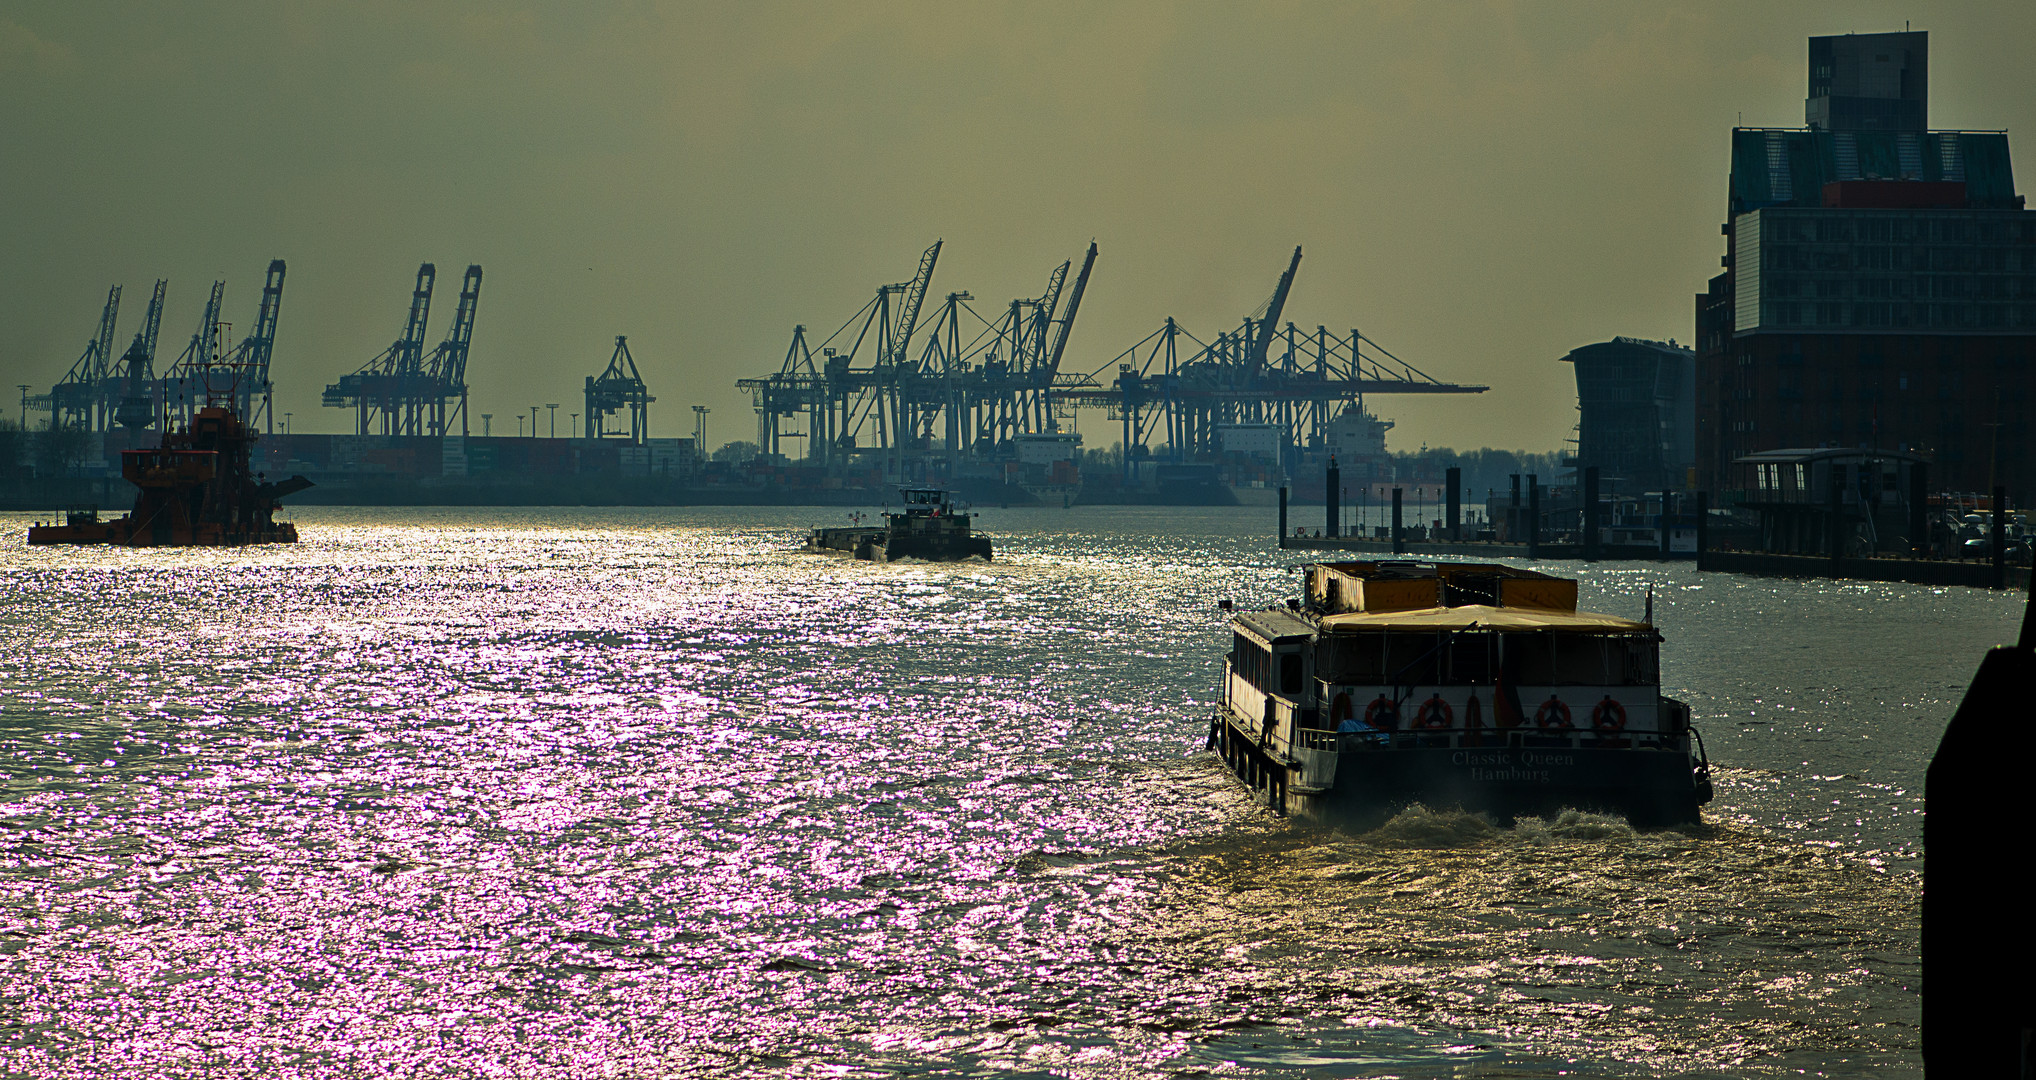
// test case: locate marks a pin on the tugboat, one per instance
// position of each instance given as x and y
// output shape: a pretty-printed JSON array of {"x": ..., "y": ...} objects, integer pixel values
[
  {"x": 928, "y": 528},
  {"x": 1467, "y": 686},
  {"x": 196, "y": 490}
]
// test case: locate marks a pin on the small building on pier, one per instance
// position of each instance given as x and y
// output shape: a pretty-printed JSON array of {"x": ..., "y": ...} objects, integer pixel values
[{"x": 1853, "y": 501}]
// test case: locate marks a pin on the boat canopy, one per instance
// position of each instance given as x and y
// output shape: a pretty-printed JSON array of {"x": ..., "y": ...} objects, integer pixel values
[{"x": 1482, "y": 617}]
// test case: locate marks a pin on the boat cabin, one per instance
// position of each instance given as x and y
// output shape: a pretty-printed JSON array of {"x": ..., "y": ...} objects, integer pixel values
[
  {"x": 1465, "y": 655},
  {"x": 926, "y": 502}
]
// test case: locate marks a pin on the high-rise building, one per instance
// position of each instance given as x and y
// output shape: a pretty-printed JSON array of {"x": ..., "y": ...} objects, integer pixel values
[
  {"x": 1870, "y": 82},
  {"x": 1879, "y": 288},
  {"x": 1636, "y": 404}
]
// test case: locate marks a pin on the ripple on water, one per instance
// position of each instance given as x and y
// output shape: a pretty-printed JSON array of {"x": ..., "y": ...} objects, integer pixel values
[{"x": 639, "y": 793}]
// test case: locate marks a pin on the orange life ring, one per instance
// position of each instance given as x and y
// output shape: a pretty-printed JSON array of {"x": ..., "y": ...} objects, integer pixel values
[
  {"x": 1382, "y": 707},
  {"x": 1553, "y": 714},
  {"x": 1435, "y": 714},
  {"x": 1608, "y": 715}
]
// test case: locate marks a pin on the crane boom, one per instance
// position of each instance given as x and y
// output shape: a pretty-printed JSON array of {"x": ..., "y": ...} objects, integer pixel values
[
  {"x": 91, "y": 367},
  {"x": 1261, "y": 342},
  {"x": 908, "y": 313},
  {"x": 206, "y": 340},
  {"x": 1067, "y": 322},
  {"x": 138, "y": 363},
  {"x": 1042, "y": 318},
  {"x": 410, "y": 351},
  {"x": 449, "y": 360}
]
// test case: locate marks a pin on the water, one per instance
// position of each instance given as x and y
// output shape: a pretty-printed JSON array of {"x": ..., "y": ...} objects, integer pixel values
[{"x": 629, "y": 793}]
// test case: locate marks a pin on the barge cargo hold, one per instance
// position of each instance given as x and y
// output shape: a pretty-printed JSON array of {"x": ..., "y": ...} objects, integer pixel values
[
  {"x": 196, "y": 490},
  {"x": 1466, "y": 686},
  {"x": 928, "y": 528}
]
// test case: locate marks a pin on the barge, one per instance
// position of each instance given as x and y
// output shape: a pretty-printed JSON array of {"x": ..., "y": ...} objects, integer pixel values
[
  {"x": 196, "y": 490},
  {"x": 1467, "y": 686},
  {"x": 928, "y": 527}
]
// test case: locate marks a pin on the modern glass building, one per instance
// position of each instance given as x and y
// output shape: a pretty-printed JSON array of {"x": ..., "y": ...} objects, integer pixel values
[{"x": 1637, "y": 413}]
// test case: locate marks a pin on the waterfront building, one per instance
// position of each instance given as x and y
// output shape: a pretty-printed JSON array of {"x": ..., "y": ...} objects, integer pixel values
[
  {"x": 1636, "y": 404},
  {"x": 1879, "y": 284}
]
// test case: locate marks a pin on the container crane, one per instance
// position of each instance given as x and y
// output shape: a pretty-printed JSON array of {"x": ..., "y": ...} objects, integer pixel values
[
  {"x": 80, "y": 399},
  {"x": 446, "y": 371},
  {"x": 246, "y": 369},
  {"x": 140, "y": 399},
  {"x": 386, "y": 391},
  {"x": 619, "y": 387},
  {"x": 183, "y": 386}
]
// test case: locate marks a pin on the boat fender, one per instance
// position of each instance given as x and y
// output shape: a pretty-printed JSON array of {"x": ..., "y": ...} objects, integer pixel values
[
  {"x": 1473, "y": 713},
  {"x": 1435, "y": 714},
  {"x": 1608, "y": 715},
  {"x": 1553, "y": 714},
  {"x": 1382, "y": 714},
  {"x": 1340, "y": 708}
]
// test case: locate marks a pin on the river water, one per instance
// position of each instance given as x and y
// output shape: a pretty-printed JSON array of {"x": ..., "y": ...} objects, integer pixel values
[{"x": 635, "y": 793}]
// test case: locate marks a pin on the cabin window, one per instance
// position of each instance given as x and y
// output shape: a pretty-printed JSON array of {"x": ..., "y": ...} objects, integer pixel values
[
  {"x": 1379, "y": 659},
  {"x": 1584, "y": 659},
  {"x": 1470, "y": 659},
  {"x": 1290, "y": 673}
]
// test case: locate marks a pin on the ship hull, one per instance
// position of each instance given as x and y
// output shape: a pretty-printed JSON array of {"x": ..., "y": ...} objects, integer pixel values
[
  {"x": 1502, "y": 775},
  {"x": 119, "y": 533},
  {"x": 880, "y": 545}
]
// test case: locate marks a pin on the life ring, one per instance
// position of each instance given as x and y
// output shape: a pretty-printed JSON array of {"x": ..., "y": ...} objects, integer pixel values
[
  {"x": 1340, "y": 709},
  {"x": 1435, "y": 714},
  {"x": 1553, "y": 714},
  {"x": 1608, "y": 715},
  {"x": 1383, "y": 713}
]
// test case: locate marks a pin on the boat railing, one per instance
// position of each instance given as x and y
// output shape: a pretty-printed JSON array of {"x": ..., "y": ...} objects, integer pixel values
[
  {"x": 1317, "y": 739},
  {"x": 1487, "y": 739}
]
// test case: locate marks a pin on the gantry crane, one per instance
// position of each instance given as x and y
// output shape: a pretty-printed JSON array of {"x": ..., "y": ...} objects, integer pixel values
[
  {"x": 619, "y": 387},
  {"x": 205, "y": 375},
  {"x": 1185, "y": 395},
  {"x": 404, "y": 390},
  {"x": 446, "y": 369},
  {"x": 974, "y": 385},
  {"x": 80, "y": 399},
  {"x": 140, "y": 394}
]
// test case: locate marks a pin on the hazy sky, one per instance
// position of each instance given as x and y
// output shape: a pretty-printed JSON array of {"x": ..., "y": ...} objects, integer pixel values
[{"x": 1479, "y": 187}]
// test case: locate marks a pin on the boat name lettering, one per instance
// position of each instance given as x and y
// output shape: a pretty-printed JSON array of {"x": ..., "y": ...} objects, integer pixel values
[{"x": 1530, "y": 757}]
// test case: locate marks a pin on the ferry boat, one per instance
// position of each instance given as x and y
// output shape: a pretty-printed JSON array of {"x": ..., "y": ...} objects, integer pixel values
[
  {"x": 196, "y": 491},
  {"x": 1453, "y": 685},
  {"x": 928, "y": 527}
]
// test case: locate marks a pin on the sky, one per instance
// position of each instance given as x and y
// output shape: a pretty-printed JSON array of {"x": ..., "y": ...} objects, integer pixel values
[{"x": 1478, "y": 187}]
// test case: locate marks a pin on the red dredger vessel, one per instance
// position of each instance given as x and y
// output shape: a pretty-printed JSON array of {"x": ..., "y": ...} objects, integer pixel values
[{"x": 196, "y": 490}]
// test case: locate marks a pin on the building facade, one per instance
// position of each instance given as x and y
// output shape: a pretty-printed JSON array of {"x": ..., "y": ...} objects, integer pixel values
[
  {"x": 1636, "y": 402},
  {"x": 1879, "y": 285}
]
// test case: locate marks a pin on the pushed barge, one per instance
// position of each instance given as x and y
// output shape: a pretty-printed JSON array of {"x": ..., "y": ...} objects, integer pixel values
[
  {"x": 196, "y": 490},
  {"x": 1454, "y": 685},
  {"x": 927, "y": 528}
]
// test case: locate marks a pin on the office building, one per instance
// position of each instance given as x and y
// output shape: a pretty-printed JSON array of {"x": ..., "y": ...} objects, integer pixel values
[{"x": 1879, "y": 284}]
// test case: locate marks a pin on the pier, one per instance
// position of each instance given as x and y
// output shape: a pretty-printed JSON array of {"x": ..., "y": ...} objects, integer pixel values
[{"x": 1992, "y": 574}]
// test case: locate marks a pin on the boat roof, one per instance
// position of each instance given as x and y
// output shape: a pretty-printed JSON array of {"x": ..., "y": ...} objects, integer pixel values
[
  {"x": 1482, "y": 617},
  {"x": 1274, "y": 625},
  {"x": 1387, "y": 586}
]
